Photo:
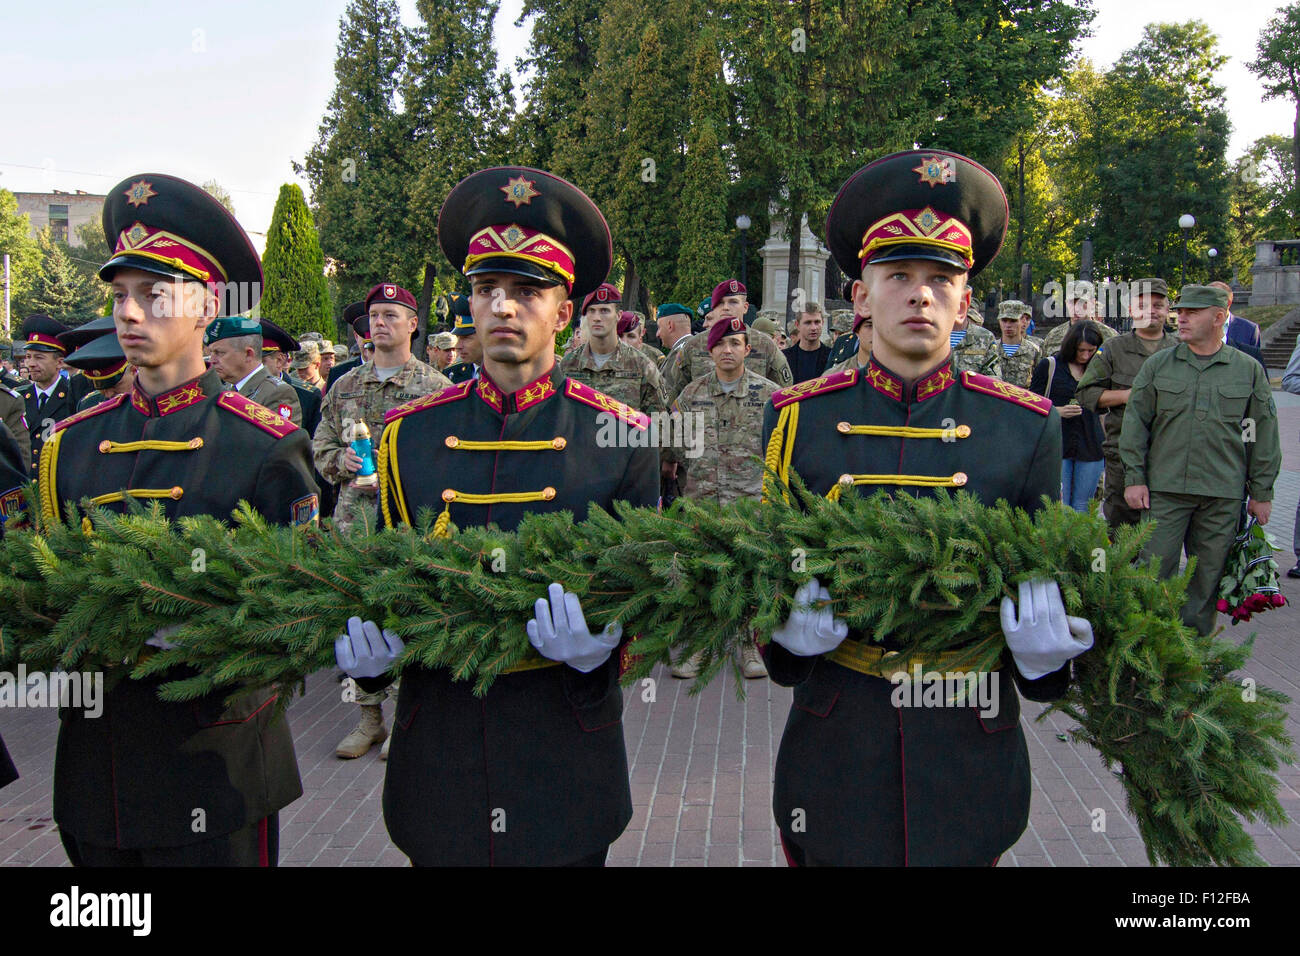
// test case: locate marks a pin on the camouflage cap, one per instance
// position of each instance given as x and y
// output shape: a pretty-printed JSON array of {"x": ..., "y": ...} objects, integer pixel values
[
  {"x": 1013, "y": 309},
  {"x": 340, "y": 353},
  {"x": 765, "y": 323},
  {"x": 1081, "y": 289},
  {"x": 841, "y": 320},
  {"x": 1201, "y": 297},
  {"x": 306, "y": 355},
  {"x": 445, "y": 341}
]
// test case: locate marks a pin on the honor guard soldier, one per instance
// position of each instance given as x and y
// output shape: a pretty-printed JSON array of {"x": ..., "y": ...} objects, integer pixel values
[
  {"x": 1108, "y": 382},
  {"x": 13, "y": 412},
  {"x": 128, "y": 785},
  {"x": 235, "y": 344},
  {"x": 469, "y": 347},
  {"x": 729, "y": 301},
  {"x": 1199, "y": 436},
  {"x": 48, "y": 395},
  {"x": 915, "y": 226},
  {"x": 535, "y": 771},
  {"x": 356, "y": 319},
  {"x": 96, "y": 352},
  {"x": 282, "y": 346}
]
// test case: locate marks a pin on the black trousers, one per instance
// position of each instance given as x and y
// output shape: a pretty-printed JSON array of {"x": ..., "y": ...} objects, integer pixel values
[{"x": 256, "y": 845}]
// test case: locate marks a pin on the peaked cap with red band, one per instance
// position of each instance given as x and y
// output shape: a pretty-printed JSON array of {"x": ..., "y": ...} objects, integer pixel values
[
  {"x": 101, "y": 360},
  {"x": 42, "y": 333},
  {"x": 606, "y": 293},
  {"x": 526, "y": 222},
  {"x": 920, "y": 204},
  {"x": 172, "y": 228},
  {"x": 276, "y": 339},
  {"x": 725, "y": 288}
]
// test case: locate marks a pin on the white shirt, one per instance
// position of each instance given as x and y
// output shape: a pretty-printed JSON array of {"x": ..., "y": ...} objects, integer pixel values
[{"x": 244, "y": 381}]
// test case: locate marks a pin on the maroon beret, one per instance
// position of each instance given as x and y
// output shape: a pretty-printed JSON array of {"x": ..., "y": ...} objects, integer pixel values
[
  {"x": 720, "y": 329},
  {"x": 388, "y": 292},
  {"x": 725, "y": 288},
  {"x": 605, "y": 292},
  {"x": 627, "y": 321},
  {"x": 857, "y": 322}
]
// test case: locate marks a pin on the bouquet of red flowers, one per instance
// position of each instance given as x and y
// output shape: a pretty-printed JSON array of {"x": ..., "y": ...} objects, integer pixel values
[{"x": 1249, "y": 582}]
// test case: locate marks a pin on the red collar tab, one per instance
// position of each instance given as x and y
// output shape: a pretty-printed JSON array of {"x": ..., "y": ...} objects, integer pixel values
[
  {"x": 928, "y": 386},
  {"x": 883, "y": 381},
  {"x": 534, "y": 393},
  {"x": 937, "y": 381},
  {"x": 191, "y": 393}
]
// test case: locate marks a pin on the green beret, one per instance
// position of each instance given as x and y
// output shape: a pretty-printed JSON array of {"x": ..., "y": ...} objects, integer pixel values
[
  {"x": 1201, "y": 297},
  {"x": 229, "y": 327},
  {"x": 673, "y": 308}
]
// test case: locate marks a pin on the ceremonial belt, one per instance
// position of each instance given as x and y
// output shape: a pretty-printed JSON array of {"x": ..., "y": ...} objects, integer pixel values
[
  {"x": 877, "y": 662},
  {"x": 531, "y": 661}
]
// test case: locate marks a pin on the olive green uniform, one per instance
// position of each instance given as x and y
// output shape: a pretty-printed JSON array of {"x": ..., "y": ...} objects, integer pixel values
[
  {"x": 1200, "y": 432},
  {"x": 1114, "y": 367}
]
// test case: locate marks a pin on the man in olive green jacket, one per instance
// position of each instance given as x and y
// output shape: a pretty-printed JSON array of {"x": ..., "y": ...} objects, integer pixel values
[{"x": 1200, "y": 434}]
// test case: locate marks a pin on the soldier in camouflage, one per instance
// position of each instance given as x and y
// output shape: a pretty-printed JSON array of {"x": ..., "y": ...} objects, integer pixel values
[
  {"x": 693, "y": 360},
  {"x": 609, "y": 365},
  {"x": 974, "y": 349},
  {"x": 631, "y": 329},
  {"x": 730, "y": 400},
  {"x": 1018, "y": 357},
  {"x": 1082, "y": 307}
]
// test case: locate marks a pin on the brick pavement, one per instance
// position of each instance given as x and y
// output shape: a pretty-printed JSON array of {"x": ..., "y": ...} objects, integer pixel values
[{"x": 701, "y": 765}]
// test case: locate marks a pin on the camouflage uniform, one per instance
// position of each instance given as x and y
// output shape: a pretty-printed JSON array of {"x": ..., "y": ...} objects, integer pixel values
[
  {"x": 628, "y": 376},
  {"x": 360, "y": 396},
  {"x": 654, "y": 355},
  {"x": 1052, "y": 344},
  {"x": 841, "y": 320},
  {"x": 977, "y": 352},
  {"x": 1018, "y": 369},
  {"x": 732, "y": 464},
  {"x": 693, "y": 361}
]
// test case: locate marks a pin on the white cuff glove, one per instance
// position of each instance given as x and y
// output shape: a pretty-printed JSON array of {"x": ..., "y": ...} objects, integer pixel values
[
  {"x": 159, "y": 639},
  {"x": 810, "y": 630},
  {"x": 1044, "y": 638},
  {"x": 364, "y": 651},
  {"x": 559, "y": 632}
]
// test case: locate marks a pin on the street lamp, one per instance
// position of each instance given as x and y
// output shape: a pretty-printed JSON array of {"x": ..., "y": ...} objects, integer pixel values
[
  {"x": 1212, "y": 253},
  {"x": 1185, "y": 222},
  {"x": 743, "y": 222}
]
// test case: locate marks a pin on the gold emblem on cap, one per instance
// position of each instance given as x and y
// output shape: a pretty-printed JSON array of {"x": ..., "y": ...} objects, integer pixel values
[
  {"x": 139, "y": 193},
  {"x": 936, "y": 170},
  {"x": 520, "y": 191}
]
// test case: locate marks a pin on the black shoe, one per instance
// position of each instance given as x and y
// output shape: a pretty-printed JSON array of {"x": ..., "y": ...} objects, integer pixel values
[{"x": 1294, "y": 572}]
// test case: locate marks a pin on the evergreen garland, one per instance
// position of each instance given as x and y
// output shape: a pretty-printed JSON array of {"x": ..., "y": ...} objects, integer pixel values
[{"x": 258, "y": 604}]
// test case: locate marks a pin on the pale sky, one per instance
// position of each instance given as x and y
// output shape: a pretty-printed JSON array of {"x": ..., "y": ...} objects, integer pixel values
[{"x": 91, "y": 93}]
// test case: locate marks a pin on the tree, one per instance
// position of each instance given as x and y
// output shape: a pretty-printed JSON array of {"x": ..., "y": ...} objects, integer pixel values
[
  {"x": 361, "y": 165},
  {"x": 1278, "y": 66},
  {"x": 61, "y": 290},
  {"x": 220, "y": 193},
  {"x": 24, "y": 257},
  {"x": 1263, "y": 203},
  {"x": 702, "y": 209},
  {"x": 294, "y": 293}
]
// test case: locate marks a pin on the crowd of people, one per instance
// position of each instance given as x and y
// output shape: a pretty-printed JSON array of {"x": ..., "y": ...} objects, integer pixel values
[{"x": 906, "y": 389}]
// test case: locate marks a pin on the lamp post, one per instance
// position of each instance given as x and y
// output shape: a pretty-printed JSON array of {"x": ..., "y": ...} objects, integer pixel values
[
  {"x": 743, "y": 223},
  {"x": 1186, "y": 222},
  {"x": 1212, "y": 254}
]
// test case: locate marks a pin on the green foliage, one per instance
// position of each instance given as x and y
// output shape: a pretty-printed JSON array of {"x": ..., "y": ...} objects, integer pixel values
[
  {"x": 295, "y": 295},
  {"x": 62, "y": 288},
  {"x": 927, "y": 573},
  {"x": 24, "y": 253}
]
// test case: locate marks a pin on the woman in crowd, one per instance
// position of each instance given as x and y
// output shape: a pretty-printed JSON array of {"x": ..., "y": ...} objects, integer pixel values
[{"x": 1057, "y": 377}]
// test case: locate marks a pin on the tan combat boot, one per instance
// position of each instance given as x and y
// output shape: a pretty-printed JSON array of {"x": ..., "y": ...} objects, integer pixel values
[
  {"x": 367, "y": 733},
  {"x": 751, "y": 662},
  {"x": 689, "y": 667},
  {"x": 383, "y": 751}
]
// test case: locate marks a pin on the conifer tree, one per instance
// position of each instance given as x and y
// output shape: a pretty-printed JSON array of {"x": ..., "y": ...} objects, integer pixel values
[
  {"x": 294, "y": 294},
  {"x": 60, "y": 289}
]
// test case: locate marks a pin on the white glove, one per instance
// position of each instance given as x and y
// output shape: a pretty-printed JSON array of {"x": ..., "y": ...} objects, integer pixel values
[
  {"x": 559, "y": 632},
  {"x": 811, "y": 631},
  {"x": 159, "y": 639},
  {"x": 1044, "y": 638},
  {"x": 365, "y": 652}
]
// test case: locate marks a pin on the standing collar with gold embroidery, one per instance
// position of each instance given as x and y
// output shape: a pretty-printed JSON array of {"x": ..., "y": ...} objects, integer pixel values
[
  {"x": 927, "y": 386},
  {"x": 535, "y": 392},
  {"x": 173, "y": 400}
]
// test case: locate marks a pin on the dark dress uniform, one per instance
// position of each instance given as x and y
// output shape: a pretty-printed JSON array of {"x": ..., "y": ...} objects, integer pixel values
[
  {"x": 13, "y": 475},
  {"x": 57, "y": 406},
  {"x": 545, "y": 744},
  {"x": 132, "y": 778},
  {"x": 535, "y": 771},
  {"x": 859, "y": 780},
  {"x": 151, "y": 782}
]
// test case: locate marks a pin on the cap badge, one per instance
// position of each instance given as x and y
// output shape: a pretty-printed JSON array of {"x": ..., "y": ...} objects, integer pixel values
[
  {"x": 737, "y": 325},
  {"x": 520, "y": 191},
  {"x": 390, "y": 292},
  {"x": 936, "y": 170},
  {"x": 140, "y": 193},
  {"x": 513, "y": 236},
  {"x": 734, "y": 286}
]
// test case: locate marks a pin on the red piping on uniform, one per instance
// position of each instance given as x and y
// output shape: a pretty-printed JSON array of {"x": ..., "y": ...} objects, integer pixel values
[
  {"x": 902, "y": 766},
  {"x": 263, "y": 851},
  {"x": 902, "y": 443},
  {"x": 496, "y": 459},
  {"x": 222, "y": 723},
  {"x": 789, "y": 860}
]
